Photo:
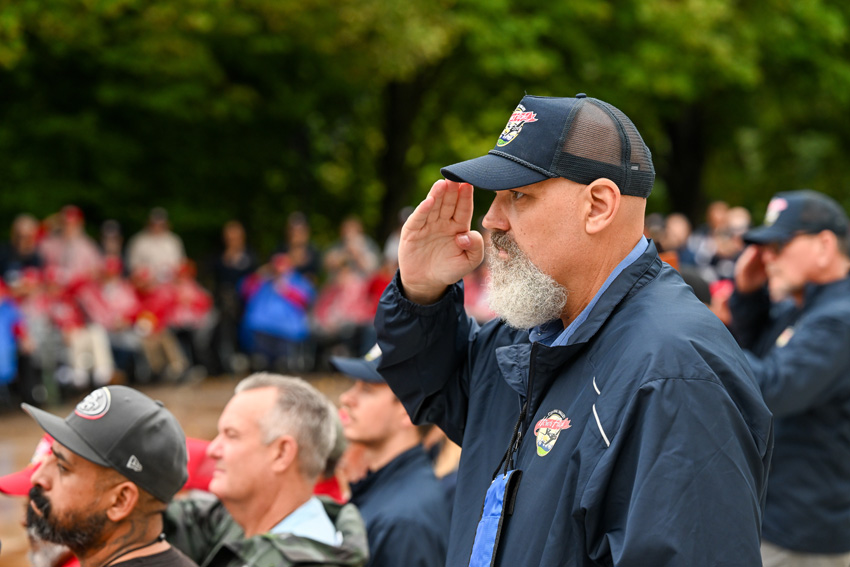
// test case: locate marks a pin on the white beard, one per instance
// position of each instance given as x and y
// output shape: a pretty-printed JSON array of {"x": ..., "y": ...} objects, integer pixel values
[
  {"x": 522, "y": 295},
  {"x": 44, "y": 553}
]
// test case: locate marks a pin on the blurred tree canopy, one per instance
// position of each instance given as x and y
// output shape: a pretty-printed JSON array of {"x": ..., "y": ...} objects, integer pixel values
[{"x": 252, "y": 109}]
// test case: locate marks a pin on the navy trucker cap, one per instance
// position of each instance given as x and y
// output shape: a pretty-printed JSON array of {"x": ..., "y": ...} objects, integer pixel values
[
  {"x": 365, "y": 368},
  {"x": 125, "y": 430},
  {"x": 798, "y": 212},
  {"x": 581, "y": 139}
]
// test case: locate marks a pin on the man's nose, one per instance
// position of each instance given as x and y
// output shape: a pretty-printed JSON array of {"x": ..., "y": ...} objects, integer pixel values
[
  {"x": 40, "y": 477},
  {"x": 495, "y": 218},
  {"x": 214, "y": 448},
  {"x": 348, "y": 397}
]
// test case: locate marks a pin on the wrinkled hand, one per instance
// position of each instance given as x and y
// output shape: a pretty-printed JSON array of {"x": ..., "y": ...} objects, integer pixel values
[
  {"x": 750, "y": 274},
  {"x": 437, "y": 247}
]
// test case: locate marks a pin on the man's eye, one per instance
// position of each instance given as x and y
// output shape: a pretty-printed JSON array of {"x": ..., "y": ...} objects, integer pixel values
[{"x": 516, "y": 195}]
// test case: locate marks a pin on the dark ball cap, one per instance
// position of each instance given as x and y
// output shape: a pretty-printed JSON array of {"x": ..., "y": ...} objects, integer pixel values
[
  {"x": 581, "y": 139},
  {"x": 798, "y": 212},
  {"x": 365, "y": 368},
  {"x": 123, "y": 429}
]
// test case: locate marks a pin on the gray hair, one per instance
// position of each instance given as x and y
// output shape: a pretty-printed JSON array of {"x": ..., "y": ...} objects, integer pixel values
[{"x": 301, "y": 411}]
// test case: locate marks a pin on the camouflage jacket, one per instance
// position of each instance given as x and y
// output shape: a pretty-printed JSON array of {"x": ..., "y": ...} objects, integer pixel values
[{"x": 204, "y": 530}]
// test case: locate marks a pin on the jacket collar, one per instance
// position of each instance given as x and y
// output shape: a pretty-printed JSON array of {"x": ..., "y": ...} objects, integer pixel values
[
  {"x": 412, "y": 457},
  {"x": 816, "y": 293},
  {"x": 514, "y": 360}
]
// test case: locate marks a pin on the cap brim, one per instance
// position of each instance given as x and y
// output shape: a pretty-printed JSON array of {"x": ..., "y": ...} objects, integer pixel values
[
  {"x": 493, "y": 173},
  {"x": 358, "y": 368},
  {"x": 766, "y": 235},
  {"x": 62, "y": 433},
  {"x": 17, "y": 484}
]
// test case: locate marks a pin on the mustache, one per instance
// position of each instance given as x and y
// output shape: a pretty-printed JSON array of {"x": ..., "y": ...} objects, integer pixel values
[
  {"x": 37, "y": 497},
  {"x": 501, "y": 240}
]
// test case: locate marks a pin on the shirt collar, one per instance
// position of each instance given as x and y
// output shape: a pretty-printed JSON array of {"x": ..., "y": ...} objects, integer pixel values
[{"x": 310, "y": 521}]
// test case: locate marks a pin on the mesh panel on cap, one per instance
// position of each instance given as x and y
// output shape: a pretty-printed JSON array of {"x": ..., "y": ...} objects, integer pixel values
[{"x": 600, "y": 141}]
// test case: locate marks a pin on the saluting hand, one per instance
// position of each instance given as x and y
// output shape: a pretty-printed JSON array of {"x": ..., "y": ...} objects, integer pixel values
[
  {"x": 750, "y": 274},
  {"x": 437, "y": 247}
]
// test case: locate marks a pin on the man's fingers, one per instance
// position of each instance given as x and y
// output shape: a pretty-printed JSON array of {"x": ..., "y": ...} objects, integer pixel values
[
  {"x": 463, "y": 210},
  {"x": 438, "y": 191},
  {"x": 446, "y": 201},
  {"x": 419, "y": 217},
  {"x": 447, "y": 209}
]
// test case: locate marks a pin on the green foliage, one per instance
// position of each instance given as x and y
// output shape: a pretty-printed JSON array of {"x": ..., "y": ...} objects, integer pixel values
[{"x": 253, "y": 109}]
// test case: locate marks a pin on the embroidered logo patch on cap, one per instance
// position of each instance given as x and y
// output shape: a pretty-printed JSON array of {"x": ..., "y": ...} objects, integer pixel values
[
  {"x": 548, "y": 429},
  {"x": 373, "y": 354},
  {"x": 517, "y": 120},
  {"x": 775, "y": 207},
  {"x": 95, "y": 405}
]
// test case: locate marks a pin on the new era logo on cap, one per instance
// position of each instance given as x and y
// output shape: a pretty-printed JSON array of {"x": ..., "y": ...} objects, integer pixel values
[{"x": 134, "y": 464}]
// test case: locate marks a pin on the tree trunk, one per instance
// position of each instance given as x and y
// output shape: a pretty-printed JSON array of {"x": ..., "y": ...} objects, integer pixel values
[
  {"x": 402, "y": 102},
  {"x": 683, "y": 171}
]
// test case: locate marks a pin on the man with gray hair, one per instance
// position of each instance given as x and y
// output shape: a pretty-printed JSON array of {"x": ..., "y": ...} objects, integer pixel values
[{"x": 274, "y": 438}]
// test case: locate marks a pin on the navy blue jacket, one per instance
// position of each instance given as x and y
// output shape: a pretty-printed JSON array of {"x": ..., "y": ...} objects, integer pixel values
[
  {"x": 405, "y": 511},
  {"x": 801, "y": 360},
  {"x": 665, "y": 458}
]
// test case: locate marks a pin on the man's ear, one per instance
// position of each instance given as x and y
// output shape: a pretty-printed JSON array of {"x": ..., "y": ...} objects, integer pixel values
[
  {"x": 828, "y": 248},
  {"x": 604, "y": 196},
  {"x": 285, "y": 451},
  {"x": 123, "y": 500}
]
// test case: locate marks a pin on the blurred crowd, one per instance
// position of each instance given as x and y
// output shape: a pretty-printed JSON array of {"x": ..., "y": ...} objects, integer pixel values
[
  {"x": 78, "y": 313},
  {"x": 706, "y": 255}
]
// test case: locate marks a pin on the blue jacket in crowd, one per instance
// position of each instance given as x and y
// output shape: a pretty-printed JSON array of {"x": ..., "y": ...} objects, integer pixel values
[
  {"x": 801, "y": 360},
  {"x": 647, "y": 441},
  {"x": 405, "y": 511}
]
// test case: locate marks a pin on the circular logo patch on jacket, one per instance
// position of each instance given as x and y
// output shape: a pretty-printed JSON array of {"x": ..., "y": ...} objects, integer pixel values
[
  {"x": 95, "y": 405},
  {"x": 548, "y": 429}
]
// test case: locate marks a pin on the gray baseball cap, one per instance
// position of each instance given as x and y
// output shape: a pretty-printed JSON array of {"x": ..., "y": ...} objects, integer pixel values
[{"x": 123, "y": 429}]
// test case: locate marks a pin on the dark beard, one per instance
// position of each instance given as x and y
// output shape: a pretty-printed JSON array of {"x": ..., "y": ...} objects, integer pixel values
[{"x": 78, "y": 532}]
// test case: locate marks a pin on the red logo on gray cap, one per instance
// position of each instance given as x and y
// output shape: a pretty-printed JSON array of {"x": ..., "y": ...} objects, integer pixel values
[{"x": 95, "y": 405}]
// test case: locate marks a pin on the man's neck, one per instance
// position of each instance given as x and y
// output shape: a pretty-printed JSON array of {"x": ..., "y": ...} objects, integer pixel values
[
  {"x": 265, "y": 511},
  {"x": 602, "y": 263},
  {"x": 125, "y": 544},
  {"x": 377, "y": 456},
  {"x": 837, "y": 270}
]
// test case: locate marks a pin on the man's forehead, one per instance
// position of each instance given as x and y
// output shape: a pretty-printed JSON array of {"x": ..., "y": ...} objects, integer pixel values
[
  {"x": 554, "y": 184},
  {"x": 67, "y": 456},
  {"x": 255, "y": 399},
  {"x": 369, "y": 385},
  {"x": 62, "y": 453},
  {"x": 245, "y": 409}
]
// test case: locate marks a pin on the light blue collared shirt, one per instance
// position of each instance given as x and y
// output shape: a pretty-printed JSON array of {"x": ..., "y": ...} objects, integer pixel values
[
  {"x": 553, "y": 332},
  {"x": 310, "y": 521}
]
